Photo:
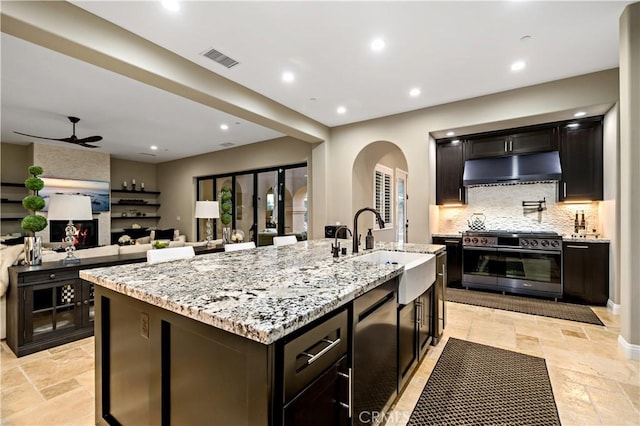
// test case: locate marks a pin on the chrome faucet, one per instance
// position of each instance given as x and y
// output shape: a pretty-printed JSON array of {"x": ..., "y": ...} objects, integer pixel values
[
  {"x": 335, "y": 249},
  {"x": 355, "y": 225}
]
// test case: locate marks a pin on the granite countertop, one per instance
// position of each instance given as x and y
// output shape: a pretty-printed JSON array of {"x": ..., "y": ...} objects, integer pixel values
[
  {"x": 262, "y": 294},
  {"x": 456, "y": 235},
  {"x": 587, "y": 239}
]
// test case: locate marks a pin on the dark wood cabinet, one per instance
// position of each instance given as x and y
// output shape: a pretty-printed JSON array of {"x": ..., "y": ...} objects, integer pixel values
[
  {"x": 449, "y": 168},
  {"x": 586, "y": 272},
  {"x": 517, "y": 141},
  {"x": 415, "y": 334},
  {"x": 454, "y": 258},
  {"x": 49, "y": 305},
  {"x": 439, "y": 298},
  {"x": 581, "y": 161}
]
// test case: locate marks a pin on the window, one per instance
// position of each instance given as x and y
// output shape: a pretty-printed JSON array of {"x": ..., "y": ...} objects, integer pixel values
[{"x": 383, "y": 194}]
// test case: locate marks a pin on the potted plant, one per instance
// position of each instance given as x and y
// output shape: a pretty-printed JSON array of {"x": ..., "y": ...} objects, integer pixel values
[
  {"x": 33, "y": 223},
  {"x": 226, "y": 207}
]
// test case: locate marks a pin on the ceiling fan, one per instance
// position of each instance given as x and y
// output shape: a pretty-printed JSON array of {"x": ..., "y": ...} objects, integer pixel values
[{"x": 73, "y": 138}]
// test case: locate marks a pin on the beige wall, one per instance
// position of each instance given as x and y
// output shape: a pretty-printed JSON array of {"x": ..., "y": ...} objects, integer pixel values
[
  {"x": 410, "y": 132},
  {"x": 14, "y": 160},
  {"x": 630, "y": 180},
  {"x": 177, "y": 178},
  {"x": 126, "y": 170}
]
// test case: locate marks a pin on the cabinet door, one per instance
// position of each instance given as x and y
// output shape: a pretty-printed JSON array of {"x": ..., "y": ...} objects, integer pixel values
[
  {"x": 533, "y": 141},
  {"x": 407, "y": 342},
  {"x": 488, "y": 146},
  {"x": 425, "y": 321},
  {"x": 581, "y": 161},
  {"x": 454, "y": 259},
  {"x": 52, "y": 309},
  {"x": 586, "y": 273},
  {"x": 88, "y": 312},
  {"x": 449, "y": 168}
]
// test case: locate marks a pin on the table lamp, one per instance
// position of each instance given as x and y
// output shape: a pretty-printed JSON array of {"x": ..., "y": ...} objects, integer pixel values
[
  {"x": 70, "y": 208},
  {"x": 207, "y": 210}
]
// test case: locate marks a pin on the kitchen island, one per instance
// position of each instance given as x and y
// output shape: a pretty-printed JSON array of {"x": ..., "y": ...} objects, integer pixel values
[{"x": 229, "y": 338}]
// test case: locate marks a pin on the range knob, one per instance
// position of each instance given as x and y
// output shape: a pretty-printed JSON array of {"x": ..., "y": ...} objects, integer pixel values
[
  {"x": 534, "y": 243},
  {"x": 555, "y": 243},
  {"x": 474, "y": 241},
  {"x": 484, "y": 241},
  {"x": 524, "y": 243},
  {"x": 467, "y": 240},
  {"x": 544, "y": 243}
]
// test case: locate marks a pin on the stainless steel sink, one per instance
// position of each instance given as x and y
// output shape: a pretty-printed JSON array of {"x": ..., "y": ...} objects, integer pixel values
[{"x": 419, "y": 271}]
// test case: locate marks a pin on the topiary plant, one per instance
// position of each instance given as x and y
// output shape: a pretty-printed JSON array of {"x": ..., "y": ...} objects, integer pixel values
[
  {"x": 33, "y": 202},
  {"x": 226, "y": 206}
]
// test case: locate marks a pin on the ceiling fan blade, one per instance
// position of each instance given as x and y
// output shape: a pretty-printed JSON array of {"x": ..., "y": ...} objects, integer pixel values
[
  {"x": 87, "y": 145},
  {"x": 89, "y": 139},
  {"x": 42, "y": 137}
]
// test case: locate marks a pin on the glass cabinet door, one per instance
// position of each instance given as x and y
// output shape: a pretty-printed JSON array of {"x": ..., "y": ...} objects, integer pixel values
[{"x": 53, "y": 308}]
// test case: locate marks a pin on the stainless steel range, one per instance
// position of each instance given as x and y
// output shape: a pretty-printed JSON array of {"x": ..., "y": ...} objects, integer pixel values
[{"x": 513, "y": 261}]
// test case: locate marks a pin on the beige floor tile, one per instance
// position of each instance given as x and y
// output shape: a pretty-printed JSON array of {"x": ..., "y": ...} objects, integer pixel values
[
  {"x": 58, "y": 367},
  {"x": 572, "y": 333},
  {"x": 559, "y": 375},
  {"x": 18, "y": 399},
  {"x": 59, "y": 388},
  {"x": 528, "y": 345},
  {"x": 610, "y": 404},
  {"x": 66, "y": 409},
  {"x": 9, "y": 360},
  {"x": 632, "y": 392},
  {"x": 87, "y": 381},
  {"x": 12, "y": 377},
  {"x": 582, "y": 415}
]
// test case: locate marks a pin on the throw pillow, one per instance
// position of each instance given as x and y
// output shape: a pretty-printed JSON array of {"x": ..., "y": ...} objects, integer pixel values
[{"x": 164, "y": 234}]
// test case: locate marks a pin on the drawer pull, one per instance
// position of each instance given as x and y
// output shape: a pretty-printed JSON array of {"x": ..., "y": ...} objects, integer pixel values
[
  {"x": 52, "y": 276},
  {"x": 86, "y": 302},
  {"x": 452, "y": 241},
  {"x": 315, "y": 357},
  {"x": 578, "y": 247},
  {"x": 342, "y": 404}
]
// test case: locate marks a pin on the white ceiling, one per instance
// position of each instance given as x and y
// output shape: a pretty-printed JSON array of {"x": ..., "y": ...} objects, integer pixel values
[{"x": 450, "y": 50}]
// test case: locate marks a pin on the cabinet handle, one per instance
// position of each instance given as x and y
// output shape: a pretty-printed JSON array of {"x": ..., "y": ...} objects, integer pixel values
[
  {"x": 505, "y": 145},
  {"x": 417, "y": 315},
  {"x": 578, "y": 247},
  {"x": 52, "y": 276},
  {"x": 444, "y": 274},
  {"x": 459, "y": 194},
  {"x": 86, "y": 302},
  {"x": 342, "y": 404},
  {"x": 510, "y": 145},
  {"x": 565, "y": 188},
  {"x": 78, "y": 303},
  {"x": 452, "y": 241},
  {"x": 315, "y": 357}
]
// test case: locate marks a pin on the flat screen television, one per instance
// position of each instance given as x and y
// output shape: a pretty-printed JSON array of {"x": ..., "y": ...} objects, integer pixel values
[
  {"x": 97, "y": 190},
  {"x": 86, "y": 232}
]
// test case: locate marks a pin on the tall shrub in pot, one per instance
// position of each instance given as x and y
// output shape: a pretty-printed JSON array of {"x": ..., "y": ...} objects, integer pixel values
[
  {"x": 226, "y": 206},
  {"x": 33, "y": 223}
]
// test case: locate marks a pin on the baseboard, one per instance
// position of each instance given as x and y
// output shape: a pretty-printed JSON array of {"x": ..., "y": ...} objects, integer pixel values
[
  {"x": 630, "y": 351},
  {"x": 613, "y": 307}
]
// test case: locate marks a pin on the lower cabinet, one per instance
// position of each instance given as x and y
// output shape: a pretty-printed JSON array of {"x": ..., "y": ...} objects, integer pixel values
[
  {"x": 415, "y": 333},
  {"x": 454, "y": 258},
  {"x": 53, "y": 309},
  {"x": 586, "y": 272},
  {"x": 439, "y": 297}
]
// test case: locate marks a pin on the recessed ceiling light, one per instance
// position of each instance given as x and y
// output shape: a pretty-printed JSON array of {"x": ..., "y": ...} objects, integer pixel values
[
  {"x": 341, "y": 110},
  {"x": 153, "y": 147},
  {"x": 224, "y": 127},
  {"x": 451, "y": 133},
  {"x": 580, "y": 114},
  {"x": 377, "y": 45},
  {"x": 455, "y": 142},
  {"x": 287, "y": 77},
  {"x": 414, "y": 92},
  {"x": 171, "y": 5},
  {"x": 518, "y": 65},
  {"x": 573, "y": 125}
]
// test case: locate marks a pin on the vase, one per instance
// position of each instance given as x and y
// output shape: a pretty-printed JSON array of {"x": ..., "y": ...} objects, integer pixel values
[
  {"x": 226, "y": 235},
  {"x": 33, "y": 250}
]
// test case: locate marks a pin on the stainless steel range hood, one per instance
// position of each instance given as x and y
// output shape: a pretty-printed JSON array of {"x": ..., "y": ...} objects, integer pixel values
[{"x": 543, "y": 166}]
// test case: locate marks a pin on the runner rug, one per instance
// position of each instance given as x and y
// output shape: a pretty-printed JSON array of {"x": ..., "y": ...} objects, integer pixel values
[
  {"x": 525, "y": 305},
  {"x": 474, "y": 384}
]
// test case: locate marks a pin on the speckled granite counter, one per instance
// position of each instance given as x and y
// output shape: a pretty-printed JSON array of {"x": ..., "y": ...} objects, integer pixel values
[
  {"x": 569, "y": 239},
  {"x": 261, "y": 294}
]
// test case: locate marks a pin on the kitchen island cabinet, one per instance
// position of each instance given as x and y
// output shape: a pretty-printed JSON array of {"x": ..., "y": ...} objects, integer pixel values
[
  {"x": 239, "y": 338},
  {"x": 586, "y": 272}
]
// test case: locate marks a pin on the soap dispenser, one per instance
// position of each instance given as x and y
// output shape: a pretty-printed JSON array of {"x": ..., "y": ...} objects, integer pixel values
[{"x": 369, "y": 240}]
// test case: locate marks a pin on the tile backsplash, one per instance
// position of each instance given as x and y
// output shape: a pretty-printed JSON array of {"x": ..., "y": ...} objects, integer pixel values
[{"x": 502, "y": 208}]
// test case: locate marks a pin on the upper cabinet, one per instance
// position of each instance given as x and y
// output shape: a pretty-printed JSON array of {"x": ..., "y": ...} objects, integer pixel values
[
  {"x": 449, "y": 167},
  {"x": 581, "y": 160},
  {"x": 511, "y": 143}
]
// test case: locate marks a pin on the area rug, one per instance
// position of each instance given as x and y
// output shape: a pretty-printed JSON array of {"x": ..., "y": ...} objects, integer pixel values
[
  {"x": 525, "y": 305},
  {"x": 474, "y": 384}
]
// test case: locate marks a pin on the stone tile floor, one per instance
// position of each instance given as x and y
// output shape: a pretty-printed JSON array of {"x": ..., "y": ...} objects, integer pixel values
[{"x": 593, "y": 383}]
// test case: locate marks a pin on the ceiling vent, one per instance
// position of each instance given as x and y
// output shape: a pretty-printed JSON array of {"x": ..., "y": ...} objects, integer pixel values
[
  {"x": 220, "y": 58},
  {"x": 147, "y": 154},
  {"x": 227, "y": 144}
]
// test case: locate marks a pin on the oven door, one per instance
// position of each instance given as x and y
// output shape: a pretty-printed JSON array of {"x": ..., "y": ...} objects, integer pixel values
[
  {"x": 480, "y": 265},
  {"x": 531, "y": 271}
]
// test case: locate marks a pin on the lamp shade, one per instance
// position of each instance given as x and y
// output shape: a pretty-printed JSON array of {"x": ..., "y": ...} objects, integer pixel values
[
  {"x": 69, "y": 207},
  {"x": 207, "y": 210}
]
